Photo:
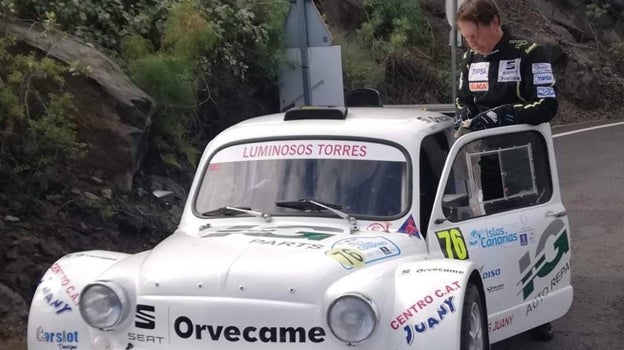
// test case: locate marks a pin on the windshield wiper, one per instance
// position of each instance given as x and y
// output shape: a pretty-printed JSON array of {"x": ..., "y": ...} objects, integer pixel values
[
  {"x": 238, "y": 210},
  {"x": 309, "y": 204}
]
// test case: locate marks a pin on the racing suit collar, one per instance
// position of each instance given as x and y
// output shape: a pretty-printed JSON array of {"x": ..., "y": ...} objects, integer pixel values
[{"x": 504, "y": 39}]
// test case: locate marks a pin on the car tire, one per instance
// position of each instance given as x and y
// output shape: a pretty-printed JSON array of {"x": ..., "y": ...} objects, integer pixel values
[
  {"x": 543, "y": 332},
  {"x": 474, "y": 334}
]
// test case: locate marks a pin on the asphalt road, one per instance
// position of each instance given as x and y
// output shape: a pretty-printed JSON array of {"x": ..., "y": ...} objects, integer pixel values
[{"x": 591, "y": 173}]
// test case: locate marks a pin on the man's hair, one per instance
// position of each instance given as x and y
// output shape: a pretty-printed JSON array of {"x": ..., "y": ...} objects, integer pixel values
[{"x": 478, "y": 12}]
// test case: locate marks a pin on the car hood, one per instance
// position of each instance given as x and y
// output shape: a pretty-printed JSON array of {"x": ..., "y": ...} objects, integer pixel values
[{"x": 264, "y": 262}]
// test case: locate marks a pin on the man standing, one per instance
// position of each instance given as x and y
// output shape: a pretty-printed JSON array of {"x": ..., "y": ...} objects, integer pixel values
[{"x": 504, "y": 79}]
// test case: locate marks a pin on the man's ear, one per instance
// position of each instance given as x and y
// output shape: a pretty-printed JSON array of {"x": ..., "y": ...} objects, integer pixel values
[{"x": 496, "y": 21}]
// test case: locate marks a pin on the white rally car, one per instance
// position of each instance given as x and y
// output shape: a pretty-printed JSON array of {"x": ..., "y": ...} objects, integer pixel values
[{"x": 329, "y": 229}]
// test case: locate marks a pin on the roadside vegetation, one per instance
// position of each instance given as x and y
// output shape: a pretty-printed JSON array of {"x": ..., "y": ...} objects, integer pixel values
[
  {"x": 188, "y": 55},
  {"x": 198, "y": 59}
]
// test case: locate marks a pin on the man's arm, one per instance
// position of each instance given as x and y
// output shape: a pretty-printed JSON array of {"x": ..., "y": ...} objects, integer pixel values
[
  {"x": 539, "y": 89},
  {"x": 537, "y": 92}
]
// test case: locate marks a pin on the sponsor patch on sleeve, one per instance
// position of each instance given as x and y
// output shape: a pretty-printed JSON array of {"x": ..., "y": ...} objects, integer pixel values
[
  {"x": 543, "y": 78},
  {"x": 545, "y": 92},
  {"x": 541, "y": 68}
]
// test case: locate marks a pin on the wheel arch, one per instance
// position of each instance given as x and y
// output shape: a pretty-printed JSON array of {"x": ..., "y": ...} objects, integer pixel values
[
  {"x": 54, "y": 318},
  {"x": 475, "y": 278}
]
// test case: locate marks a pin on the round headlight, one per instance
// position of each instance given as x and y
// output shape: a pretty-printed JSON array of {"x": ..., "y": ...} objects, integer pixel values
[
  {"x": 103, "y": 305},
  {"x": 352, "y": 318}
]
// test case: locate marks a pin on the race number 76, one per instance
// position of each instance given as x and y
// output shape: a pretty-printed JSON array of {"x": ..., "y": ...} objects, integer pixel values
[{"x": 452, "y": 243}]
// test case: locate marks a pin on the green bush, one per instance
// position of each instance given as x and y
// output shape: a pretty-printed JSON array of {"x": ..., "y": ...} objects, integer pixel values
[
  {"x": 168, "y": 79},
  {"x": 182, "y": 52},
  {"x": 205, "y": 48},
  {"x": 358, "y": 68},
  {"x": 103, "y": 22},
  {"x": 392, "y": 27},
  {"x": 38, "y": 132},
  {"x": 397, "y": 21}
]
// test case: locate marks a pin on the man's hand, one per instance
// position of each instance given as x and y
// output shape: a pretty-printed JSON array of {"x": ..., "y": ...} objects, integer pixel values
[
  {"x": 499, "y": 116},
  {"x": 461, "y": 115}
]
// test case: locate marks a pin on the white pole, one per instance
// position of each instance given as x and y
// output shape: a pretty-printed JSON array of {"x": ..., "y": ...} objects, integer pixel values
[
  {"x": 454, "y": 51},
  {"x": 303, "y": 46}
]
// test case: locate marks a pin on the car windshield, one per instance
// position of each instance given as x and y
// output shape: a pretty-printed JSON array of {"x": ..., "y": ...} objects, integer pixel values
[{"x": 361, "y": 178}]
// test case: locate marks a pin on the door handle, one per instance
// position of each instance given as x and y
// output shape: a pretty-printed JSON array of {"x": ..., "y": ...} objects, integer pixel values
[{"x": 557, "y": 214}]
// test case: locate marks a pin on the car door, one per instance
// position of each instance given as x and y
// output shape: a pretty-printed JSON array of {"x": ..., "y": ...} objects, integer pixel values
[{"x": 498, "y": 204}]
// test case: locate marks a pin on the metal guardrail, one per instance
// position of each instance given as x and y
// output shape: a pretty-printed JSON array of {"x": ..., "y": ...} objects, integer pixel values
[{"x": 444, "y": 108}]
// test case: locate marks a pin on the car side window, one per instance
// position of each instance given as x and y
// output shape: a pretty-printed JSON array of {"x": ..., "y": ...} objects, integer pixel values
[{"x": 496, "y": 174}]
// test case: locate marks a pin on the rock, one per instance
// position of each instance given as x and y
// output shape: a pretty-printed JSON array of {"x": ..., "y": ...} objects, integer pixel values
[
  {"x": 12, "y": 255},
  {"x": 344, "y": 14},
  {"x": 91, "y": 196},
  {"x": 113, "y": 115},
  {"x": 12, "y": 307},
  {"x": 617, "y": 4},
  {"x": 97, "y": 180},
  {"x": 107, "y": 193},
  {"x": 10, "y": 218},
  {"x": 161, "y": 183},
  {"x": 176, "y": 212},
  {"x": 140, "y": 192}
]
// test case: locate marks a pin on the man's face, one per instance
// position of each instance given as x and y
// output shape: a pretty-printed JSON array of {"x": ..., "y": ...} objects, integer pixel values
[{"x": 480, "y": 37}]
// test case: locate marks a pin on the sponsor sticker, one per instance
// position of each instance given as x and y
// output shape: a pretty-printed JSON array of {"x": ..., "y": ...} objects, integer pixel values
[
  {"x": 492, "y": 237},
  {"x": 270, "y": 232},
  {"x": 307, "y": 149},
  {"x": 545, "y": 92},
  {"x": 64, "y": 339},
  {"x": 540, "y": 268},
  {"x": 409, "y": 227},
  {"x": 509, "y": 70},
  {"x": 500, "y": 323},
  {"x": 379, "y": 226},
  {"x": 490, "y": 273},
  {"x": 478, "y": 71},
  {"x": 537, "y": 68},
  {"x": 357, "y": 251},
  {"x": 452, "y": 243},
  {"x": 430, "y": 269},
  {"x": 423, "y": 304},
  {"x": 495, "y": 288},
  {"x": 479, "y": 86},
  {"x": 66, "y": 283},
  {"x": 58, "y": 305},
  {"x": 543, "y": 78},
  {"x": 186, "y": 328},
  {"x": 446, "y": 308},
  {"x": 539, "y": 297}
]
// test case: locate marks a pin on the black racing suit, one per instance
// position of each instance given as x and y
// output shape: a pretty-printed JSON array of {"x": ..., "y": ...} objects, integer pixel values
[{"x": 516, "y": 77}]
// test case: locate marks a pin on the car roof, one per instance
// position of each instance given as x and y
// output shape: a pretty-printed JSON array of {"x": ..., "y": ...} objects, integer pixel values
[{"x": 391, "y": 123}]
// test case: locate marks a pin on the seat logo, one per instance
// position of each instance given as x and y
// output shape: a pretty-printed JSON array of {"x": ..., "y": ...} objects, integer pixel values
[{"x": 144, "y": 317}]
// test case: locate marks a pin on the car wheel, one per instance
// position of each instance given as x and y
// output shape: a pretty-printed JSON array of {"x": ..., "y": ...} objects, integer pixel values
[
  {"x": 473, "y": 324},
  {"x": 543, "y": 332}
]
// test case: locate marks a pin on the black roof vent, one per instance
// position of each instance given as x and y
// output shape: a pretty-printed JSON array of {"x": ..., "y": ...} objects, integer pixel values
[
  {"x": 316, "y": 112},
  {"x": 365, "y": 97}
]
